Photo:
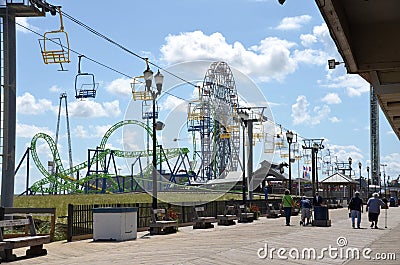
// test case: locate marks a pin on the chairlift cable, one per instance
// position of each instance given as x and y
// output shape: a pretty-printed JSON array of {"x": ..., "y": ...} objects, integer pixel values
[
  {"x": 93, "y": 60},
  {"x": 124, "y": 48}
]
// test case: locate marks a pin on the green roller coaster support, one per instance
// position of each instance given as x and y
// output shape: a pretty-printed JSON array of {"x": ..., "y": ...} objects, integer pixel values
[{"x": 63, "y": 180}]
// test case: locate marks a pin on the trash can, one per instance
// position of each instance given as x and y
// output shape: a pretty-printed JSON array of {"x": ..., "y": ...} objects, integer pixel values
[
  {"x": 321, "y": 213},
  {"x": 321, "y": 216},
  {"x": 115, "y": 224}
]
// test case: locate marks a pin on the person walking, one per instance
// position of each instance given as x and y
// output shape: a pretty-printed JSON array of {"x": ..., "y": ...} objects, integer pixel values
[
  {"x": 374, "y": 205},
  {"x": 305, "y": 206},
  {"x": 356, "y": 208},
  {"x": 287, "y": 204}
]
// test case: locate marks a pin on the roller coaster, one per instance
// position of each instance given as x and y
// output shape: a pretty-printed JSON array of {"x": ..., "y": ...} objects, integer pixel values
[
  {"x": 212, "y": 118},
  {"x": 63, "y": 181}
]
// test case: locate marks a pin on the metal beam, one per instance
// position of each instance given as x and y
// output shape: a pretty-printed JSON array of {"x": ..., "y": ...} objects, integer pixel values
[{"x": 9, "y": 114}]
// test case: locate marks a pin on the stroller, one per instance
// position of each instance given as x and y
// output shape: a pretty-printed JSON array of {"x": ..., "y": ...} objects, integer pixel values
[{"x": 306, "y": 212}]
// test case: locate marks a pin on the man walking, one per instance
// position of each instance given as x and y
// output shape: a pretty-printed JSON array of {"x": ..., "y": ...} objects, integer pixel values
[{"x": 356, "y": 208}]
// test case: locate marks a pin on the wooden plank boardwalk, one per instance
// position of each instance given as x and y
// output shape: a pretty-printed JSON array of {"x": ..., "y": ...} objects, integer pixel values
[{"x": 236, "y": 244}]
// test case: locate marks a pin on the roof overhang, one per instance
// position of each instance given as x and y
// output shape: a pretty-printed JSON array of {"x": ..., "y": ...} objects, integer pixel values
[{"x": 367, "y": 35}]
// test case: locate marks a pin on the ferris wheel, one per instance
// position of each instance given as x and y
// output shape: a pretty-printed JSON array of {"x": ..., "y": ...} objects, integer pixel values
[{"x": 214, "y": 117}]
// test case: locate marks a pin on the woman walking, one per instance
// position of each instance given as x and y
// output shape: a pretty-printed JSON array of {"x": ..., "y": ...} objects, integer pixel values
[
  {"x": 374, "y": 208},
  {"x": 287, "y": 203}
]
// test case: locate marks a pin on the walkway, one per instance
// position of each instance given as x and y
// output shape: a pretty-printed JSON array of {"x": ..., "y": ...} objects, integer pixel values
[{"x": 238, "y": 244}]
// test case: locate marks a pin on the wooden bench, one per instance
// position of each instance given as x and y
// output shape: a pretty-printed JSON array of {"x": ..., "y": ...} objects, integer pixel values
[
  {"x": 273, "y": 210},
  {"x": 34, "y": 241},
  {"x": 229, "y": 217},
  {"x": 244, "y": 216},
  {"x": 202, "y": 222},
  {"x": 161, "y": 223}
]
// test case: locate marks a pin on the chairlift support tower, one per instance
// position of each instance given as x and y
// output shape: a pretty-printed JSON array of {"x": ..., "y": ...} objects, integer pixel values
[
  {"x": 63, "y": 96},
  {"x": 9, "y": 11},
  {"x": 374, "y": 137}
]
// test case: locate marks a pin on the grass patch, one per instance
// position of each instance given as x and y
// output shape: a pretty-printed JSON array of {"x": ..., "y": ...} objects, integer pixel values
[{"x": 60, "y": 202}]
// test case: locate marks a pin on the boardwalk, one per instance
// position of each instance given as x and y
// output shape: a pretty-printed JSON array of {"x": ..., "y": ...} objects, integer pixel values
[{"x": 236, "y": 244}]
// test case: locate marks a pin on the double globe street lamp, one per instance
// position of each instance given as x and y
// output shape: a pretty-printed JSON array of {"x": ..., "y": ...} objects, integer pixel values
[{"x": 158, "y": 79}]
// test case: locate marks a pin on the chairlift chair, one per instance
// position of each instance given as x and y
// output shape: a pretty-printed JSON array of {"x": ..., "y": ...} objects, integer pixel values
[
  {"x": 55, "y": 45},
  {"x": 147, "y": 110},
  {"x": 85, "y": 85},
  {"x": 269, "y": 143}
]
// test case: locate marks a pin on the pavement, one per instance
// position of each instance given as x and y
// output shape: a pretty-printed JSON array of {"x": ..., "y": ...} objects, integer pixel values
[{"x": 244, "y": 243}]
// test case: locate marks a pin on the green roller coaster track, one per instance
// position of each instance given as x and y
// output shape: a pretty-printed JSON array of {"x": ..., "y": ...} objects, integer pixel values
[{"x": 63, "y": 179}]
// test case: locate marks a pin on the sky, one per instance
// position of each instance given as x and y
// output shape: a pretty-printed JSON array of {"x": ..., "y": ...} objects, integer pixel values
[{"x": 282, "y": 49}]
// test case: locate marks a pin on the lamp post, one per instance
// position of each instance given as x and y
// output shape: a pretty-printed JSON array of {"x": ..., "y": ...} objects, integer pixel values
[
  {"x": 289, "y": 138},
  {"x": 368, "y": 182},
  {"x": 384, "y": 179},
  {"x": 359, "y": 166},
  {"x": 158, "y": 78},
  {"x": 314, "y": 145},
  {"x": 350, "y": 160}
]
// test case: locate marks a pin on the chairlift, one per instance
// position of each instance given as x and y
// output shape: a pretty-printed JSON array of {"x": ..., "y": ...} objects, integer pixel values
[
  {"x": 85, "y": 86},
  {"x": 269, "y": 144},
  {"x": 55, "y": 45},
  {"x": 147, "y": 110}
]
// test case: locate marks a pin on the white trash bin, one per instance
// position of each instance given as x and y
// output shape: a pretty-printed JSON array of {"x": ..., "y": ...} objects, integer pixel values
[{"x": 115, "y": 224}]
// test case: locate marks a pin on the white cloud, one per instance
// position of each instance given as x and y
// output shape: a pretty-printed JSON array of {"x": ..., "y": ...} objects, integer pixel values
[
  {"x": 23, "y": 21},
  {"x": 302, "y": 115},
  {"x": 92, "y": 109},
  {"x": 55, "y": 89},
  {"x": 310, "y": 56},
  {"x": 100, "y": 130},
  {"x": 290, "y": 23},
  {"x": 28, "y": 131},
  {"x": 27, "y": 104},
  {"x": 80, "y": 132},
  {"x": 331, "y": 98},
  {"x": 308, "y": 39},
  {"x": 344, "y": 152},
  {"x": 97, "y": 131},
  {"x": 174, "y": 103},
  {"x": 335, "y": 119},
  {"x": 393, "y": 165},
  {"x": 270, "y": 59},
  {"x": 320, "y": 114},
  {"x": 300, "y": 111},
  {"x": 353, "y": 92},
  {"x": 120, "y": 86},
  {"x": 353, "y": 84}
]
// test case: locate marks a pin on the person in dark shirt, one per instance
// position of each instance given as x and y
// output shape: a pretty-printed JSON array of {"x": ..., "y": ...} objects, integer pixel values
[
  {"x": 356, "y": 208},
  {"x": 317, "y": 200}
]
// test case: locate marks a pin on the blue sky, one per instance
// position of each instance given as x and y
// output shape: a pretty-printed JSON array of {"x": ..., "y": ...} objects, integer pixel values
[{"x": 284, "y": 49}]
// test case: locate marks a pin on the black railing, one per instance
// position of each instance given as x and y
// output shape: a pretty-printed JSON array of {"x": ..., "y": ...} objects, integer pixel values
[{"x": 80, "y": 217}]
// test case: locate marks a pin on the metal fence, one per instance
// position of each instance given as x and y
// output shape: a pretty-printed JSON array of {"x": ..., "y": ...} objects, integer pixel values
[{"x": 80, "y": 217}]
